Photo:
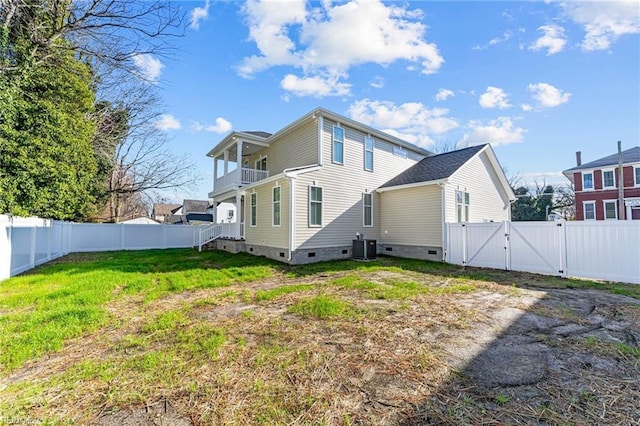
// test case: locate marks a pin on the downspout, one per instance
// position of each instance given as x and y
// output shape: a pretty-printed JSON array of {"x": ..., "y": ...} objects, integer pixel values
[
  {"x": 445, "y": 240},
  {"x": 292, "y": 216}
]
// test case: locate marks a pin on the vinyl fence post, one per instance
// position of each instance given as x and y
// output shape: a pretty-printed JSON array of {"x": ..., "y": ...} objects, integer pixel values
[
  {"x": 464, "y": 244},
  {"x": 121, "y": 236},
  {"x": 507, "y": 245},
  {"x": 163, "y": 242},
  {"x": 50, "y": 236},
  {"x": 562, "y": 229},
  {"x": 32, "y": 249}
]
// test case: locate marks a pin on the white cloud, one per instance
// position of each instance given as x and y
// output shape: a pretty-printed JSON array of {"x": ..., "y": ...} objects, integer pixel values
[
  {"x": 411, "y": 121},
  {"x": 168, "y": 122},
  {"x": 526, "y": 107},
  {"x": 553, "y": 39},
  {"x": 494, "y": 97},
  {"x": 377, "y": 82},
  {"x": 149, "y": 68},
  {"x": 199, "y": 14},
  {"x": 444, "y": 94},
  {"x": 548, "y": 96},
  {"x": 496, "y": 40},
  {"x": 603, "y": 21},
  {"x": 500, "y": 131},
  {"x": 222, "y": 126},
  {"x": 314, "y": 86},
  {"x": 329, "y": 38}
]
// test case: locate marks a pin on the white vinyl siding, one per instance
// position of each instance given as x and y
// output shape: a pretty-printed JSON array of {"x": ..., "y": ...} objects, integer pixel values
[
  {"x": 412, "y": 216},
  {"x": 264, "y": 233},
  {"x": 367, "y": 209},
  {"x": 315, "y": 206},
  {"x": 296, "y": 148},
  {"x": 337, "y": 151},
  {"x": 488, "y": 201},
  {"x": 343, "y": 187},
  {"x": 368, "y": 153},
  {"x": 254, "y": 209},
  {"x": 275, "y": 208}
]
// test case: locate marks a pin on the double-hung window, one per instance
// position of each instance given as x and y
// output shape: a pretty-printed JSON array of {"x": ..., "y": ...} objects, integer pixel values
[
  {"x": 368, "y": 153},
  {"x": 587, "y": 181},
  {"x": 315, "y": 206},
  {"x": 610, "y": 210},
  {"x": 276, "y": 206},
  {"x": 589, "y": 210},
  {"x": 462, "y": 206},
  {"x": 636, "y": 174},
  {"x": 254, "y": 209},
  {"x": 337, "y": 151},
  {"x": 367, "y": 212},
  {"x": 608, "y": 179}
]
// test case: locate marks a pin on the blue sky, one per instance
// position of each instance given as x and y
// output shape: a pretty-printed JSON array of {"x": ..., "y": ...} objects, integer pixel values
[{"x": 537, "y": 80}]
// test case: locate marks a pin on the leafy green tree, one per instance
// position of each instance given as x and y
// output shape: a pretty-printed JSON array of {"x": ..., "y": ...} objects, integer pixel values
[
  {"x": 533, "y": 204},
  {"x": 46, "y": 158}
]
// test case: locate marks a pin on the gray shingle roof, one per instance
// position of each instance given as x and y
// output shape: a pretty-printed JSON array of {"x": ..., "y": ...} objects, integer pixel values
[
  {"x": 258, "y": 133},
  {"x": 164, "y": 209},
  {"x": 631, "y": 155},
  {"x": 194, "y": 206},
  {"x": 436, "y": 167}
]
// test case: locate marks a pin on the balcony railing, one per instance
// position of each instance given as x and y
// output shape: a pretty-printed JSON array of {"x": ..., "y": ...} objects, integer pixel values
[
  {"x": 247, "y": 176},
  {"x": 253, "y": 175}
]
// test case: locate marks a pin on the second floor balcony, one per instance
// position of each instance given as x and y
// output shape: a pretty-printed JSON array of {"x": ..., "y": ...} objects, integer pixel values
[{"x": 243, "y": 176}]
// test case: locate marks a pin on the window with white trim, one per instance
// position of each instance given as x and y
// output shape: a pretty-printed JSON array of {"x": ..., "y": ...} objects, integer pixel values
[
  {"x": 462, "y": 206},
  {"x": 315, "y": 206},
  {"x": 230, "y": 214},
  {"x": 276, "y": 206},
  {"x": 367, "y": 209},
  {"x": 636, "y": 174},
  {"x": 254, "y": 209},
  {"x": 587, "y": 181},
  {"x": 589, "y": 208},
  {"x": 608, "y": 179},
  {"x": 368, "y": 153},
  {"x": 337, "y": 150},
  {"x": 610, "y": 210}
]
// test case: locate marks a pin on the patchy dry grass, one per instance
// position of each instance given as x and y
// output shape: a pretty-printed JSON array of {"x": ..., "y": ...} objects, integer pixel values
[{"x": 213, "y": 338}]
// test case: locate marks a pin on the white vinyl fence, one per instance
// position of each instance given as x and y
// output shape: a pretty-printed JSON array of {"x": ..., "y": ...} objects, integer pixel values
[
  {"x": 28, "y": 242},
  {"x": 606, "y": 250}
]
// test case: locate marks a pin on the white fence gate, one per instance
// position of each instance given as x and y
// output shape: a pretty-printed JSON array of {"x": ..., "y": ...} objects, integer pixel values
[
  {"x": 28, "y": 242},
  {"x": 608, "y": 250}
]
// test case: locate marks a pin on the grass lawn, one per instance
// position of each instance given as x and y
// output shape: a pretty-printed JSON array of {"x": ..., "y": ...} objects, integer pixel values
[{"x": 215, "y": 338}]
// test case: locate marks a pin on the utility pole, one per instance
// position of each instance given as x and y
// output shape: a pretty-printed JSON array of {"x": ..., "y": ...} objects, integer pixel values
[{"x": 621, "y": 207}]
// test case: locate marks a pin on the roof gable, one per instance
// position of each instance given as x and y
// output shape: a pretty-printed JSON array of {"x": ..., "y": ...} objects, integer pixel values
[
  {"x": 434, "y": 168},
  {"x": 631, "y": 155}
]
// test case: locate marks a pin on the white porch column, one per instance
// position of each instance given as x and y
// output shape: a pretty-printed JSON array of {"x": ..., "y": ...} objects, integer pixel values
[
  {"x": 239, "y": 161},
  {"x": 238, "y": 215},
  {"x": 215, "y": 172},
  {"x": 226, "y": 162}
]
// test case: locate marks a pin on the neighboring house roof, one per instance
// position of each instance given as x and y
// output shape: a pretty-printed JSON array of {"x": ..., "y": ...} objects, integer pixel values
[
  {"x": 141, "y": 221},
  {"x": 195, "y": 206},
  {"x": 434, "y": 168},
  {"x": 258, "y": 136},
  {"x": 631, "y": 155},
  {"x": 199, "y": 217},
  {"x": 164, "y": 209}
]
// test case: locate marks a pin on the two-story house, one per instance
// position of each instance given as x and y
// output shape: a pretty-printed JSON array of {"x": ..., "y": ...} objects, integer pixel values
[
  {"x": 306, "y": 191},
  {"x": 596, "y": 187}
]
